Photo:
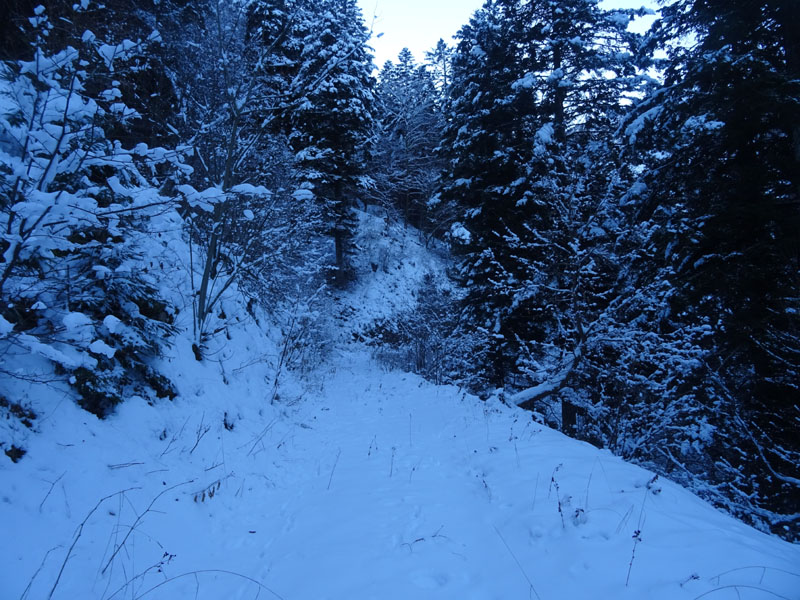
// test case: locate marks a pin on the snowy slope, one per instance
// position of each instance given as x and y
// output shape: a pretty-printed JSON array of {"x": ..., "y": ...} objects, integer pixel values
[{"x": 356, "y": 483}]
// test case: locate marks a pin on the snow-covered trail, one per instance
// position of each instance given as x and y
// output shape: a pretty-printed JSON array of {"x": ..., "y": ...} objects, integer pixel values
[
  {"x": 416, "y": 491},
  {"x": 376, "y": 485}
]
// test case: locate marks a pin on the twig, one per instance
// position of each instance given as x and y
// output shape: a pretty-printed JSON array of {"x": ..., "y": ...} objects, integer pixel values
[
  {"x": 514, "y": 556},
  {"x": 762, "y": 567},
  {"x": 128, "y": 582},
  {"x": 554, "y": 484},
  {"x": 336, "y": 462},
  {"x": 52, "y": 485},
  {"x": 625, "y": 518},
  {"x": 139, "y": 520},
  {"x": 175, "y": 437},
  {"x": 637, "y": 536},
  {"x": 125, "y": 465},
  {"x": 78, "y": 533},
  {"x": 261, "y": 435},
  {"x": 414, "y": 470},
  {"x": 203, "y": 571},
  {"x": 744, "y": 587},
  {"x": 27, "y": 589},
  {"x": 201, "y": 432}
]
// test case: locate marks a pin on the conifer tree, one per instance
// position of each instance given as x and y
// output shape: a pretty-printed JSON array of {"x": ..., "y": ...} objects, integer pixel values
[
  {"x": 330, "y": 119},
  {"x": 439, "y": 61},
  {"x": 408, "y": 128},
  {"x": 548, "y": 82},
  {"x": 720, "y": 143},
  {"x": 580, "y": 64},
  {"x": 487, "y": 151}
]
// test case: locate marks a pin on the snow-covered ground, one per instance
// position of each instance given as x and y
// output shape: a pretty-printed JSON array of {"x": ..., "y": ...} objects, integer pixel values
[{"x": 355, "y": 483}]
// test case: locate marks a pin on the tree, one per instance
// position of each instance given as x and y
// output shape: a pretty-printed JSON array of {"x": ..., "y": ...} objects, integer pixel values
[
  {"x": 329, "y": 119},
  {"x": 487, "y": 151},
  {"x": 79, "y": 271},
  {"x": 251, "y": 230},
  {"x": 580, "y": 63},
  {"x": 719, "y": 142},
  {"x": 540, "y": 87},
  {"x": 409, "y": 125},
  {"x": 439, "y": 61}
]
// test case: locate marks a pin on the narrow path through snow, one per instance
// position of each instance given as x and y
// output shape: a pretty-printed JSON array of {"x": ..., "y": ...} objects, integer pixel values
[
  {"x": 377, "y": 485},
  {"x": 394, "y": 488}
]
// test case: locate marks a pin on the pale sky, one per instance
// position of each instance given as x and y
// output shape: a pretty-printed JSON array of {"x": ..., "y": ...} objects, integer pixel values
[
  {"x": 415, "y": 24},
  {"x": 418, "y": 24}
]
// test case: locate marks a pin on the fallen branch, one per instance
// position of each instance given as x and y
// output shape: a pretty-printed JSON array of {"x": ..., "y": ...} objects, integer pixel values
[{"x": 526, "y": 398}]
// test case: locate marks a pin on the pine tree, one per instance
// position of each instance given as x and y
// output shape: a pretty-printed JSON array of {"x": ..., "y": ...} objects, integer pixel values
[
  {"x": 409, "y": 125},
  {"x": 486, "y": 148},
  {"x": 720, "y": 143},
  {"x": 330, "y": 119}
]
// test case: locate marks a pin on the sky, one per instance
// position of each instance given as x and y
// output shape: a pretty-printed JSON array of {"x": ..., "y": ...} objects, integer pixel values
[
  {"x": 415, "y": 24},
  {"x": 419, "y": 24}
]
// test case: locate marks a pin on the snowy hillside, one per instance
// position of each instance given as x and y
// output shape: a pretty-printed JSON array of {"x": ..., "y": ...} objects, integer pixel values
[{"x": 356, "y": 482}]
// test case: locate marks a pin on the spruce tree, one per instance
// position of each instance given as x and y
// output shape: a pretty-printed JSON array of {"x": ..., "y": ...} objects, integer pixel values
[
  {"x": 330, "y": 119},
  {"x": 486, "y": 148},
  {"x": 538, "y": 88},
  {"x": 580, "y": 64},
  {"x": 408, "y": 129},
  {"x": 720, "y": 143}
]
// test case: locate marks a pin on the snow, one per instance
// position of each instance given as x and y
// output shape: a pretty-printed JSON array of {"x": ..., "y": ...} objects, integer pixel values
[
  {"x": 108, "y": 53},
  {"x": 205, "y": 199},
  {"x": 633, "y": 130},
  {"x": 351, "y": 481},
  {"x": 5, "y": 327},
  {"x": 112, "y": 323},
  {"x": 100, "y": 347},
  {"x": 375, "y": 485},
  {"x": 545, "y": 133},
  {"x": 253, "y": 190},
  {"x": 460, "y": 234},
  {"x": 303, "y": 194},
  {"x": 76, "y": 324}
]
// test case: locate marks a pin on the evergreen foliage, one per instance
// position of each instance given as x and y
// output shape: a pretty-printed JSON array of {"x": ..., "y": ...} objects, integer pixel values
[
  {"x": 629, "y": 245},
  {"x": 330, "y": 119},
  {"x": 719, "y": 145},
  {"x": 79, "y": 276},
  {"x": 405, "y": 166}
]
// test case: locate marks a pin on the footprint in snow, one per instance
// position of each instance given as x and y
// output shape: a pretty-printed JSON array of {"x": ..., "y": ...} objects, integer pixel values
[{"x": 427, "y": 580}]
